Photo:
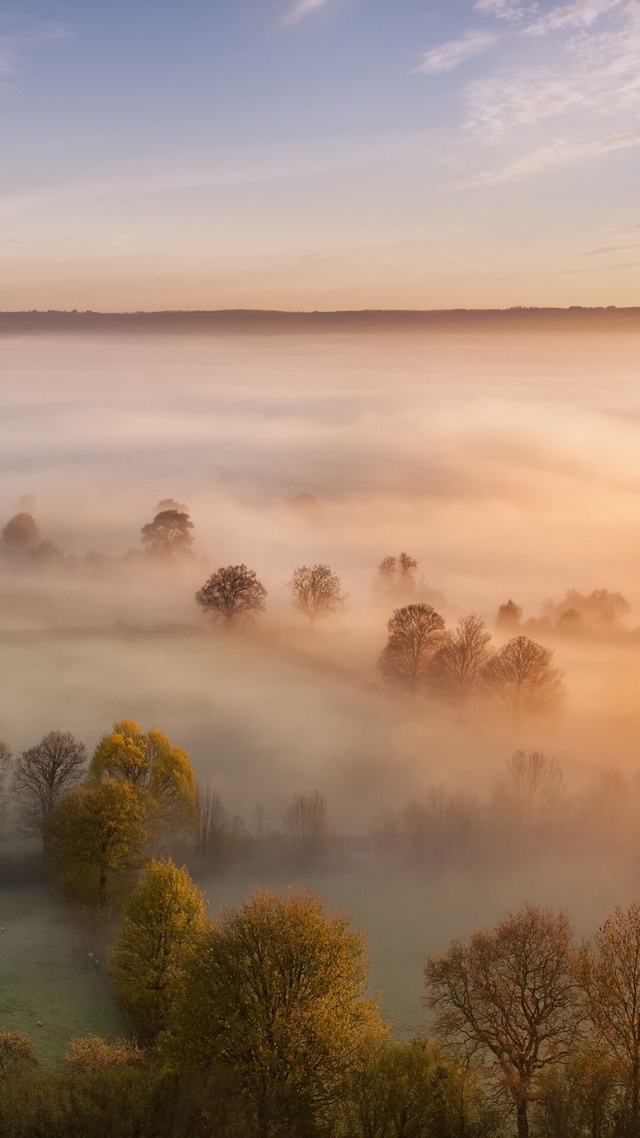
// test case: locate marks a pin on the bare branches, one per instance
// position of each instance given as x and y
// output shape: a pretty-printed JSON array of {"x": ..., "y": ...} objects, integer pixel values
[
  {"x": 316, "y": 591},
  {"x": 415, "y": 632},
  {"x": 509, "y": 993},
  {"x": 43, "y": 774},
  {"x": 233, "y": 594},
  {"x": 522, "y": 677}
]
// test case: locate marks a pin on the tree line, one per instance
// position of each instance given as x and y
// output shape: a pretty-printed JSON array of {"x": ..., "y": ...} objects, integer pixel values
[
  {"x": 258, "y": 1023},
  {"x": 99, "y": 819}
]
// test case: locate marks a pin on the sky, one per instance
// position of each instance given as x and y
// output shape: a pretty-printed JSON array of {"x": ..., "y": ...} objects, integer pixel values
[{"x": 319, "y": 154}]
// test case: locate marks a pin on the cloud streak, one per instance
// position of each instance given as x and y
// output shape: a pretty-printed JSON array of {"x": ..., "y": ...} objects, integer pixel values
[
  {"x": 300, "y": 10},
  {"x": 449, "y": 55},
  {"x": 560, "y": 152}
]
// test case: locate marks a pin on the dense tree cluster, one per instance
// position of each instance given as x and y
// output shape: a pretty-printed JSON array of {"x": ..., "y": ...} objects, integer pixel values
[
  {"x": 459, "y": 666},
  {"x": 264, "y": 1029}
]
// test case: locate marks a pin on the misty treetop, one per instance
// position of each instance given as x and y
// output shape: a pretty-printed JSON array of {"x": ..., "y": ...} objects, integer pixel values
[
  {"x": 169, "y": 534},
  {"x": 317, "y": 592},
  {"x": 461, "y": 666},
  {"x": 233, "y": 595},
  {"x": 415, "y": 632}
]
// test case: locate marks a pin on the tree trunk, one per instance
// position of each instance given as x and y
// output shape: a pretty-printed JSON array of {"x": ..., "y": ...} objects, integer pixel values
[
  {"x": 522, "y": 1117},
  {"x": 634, "y": 1114}
]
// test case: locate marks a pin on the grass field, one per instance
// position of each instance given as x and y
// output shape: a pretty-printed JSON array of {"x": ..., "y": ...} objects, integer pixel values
[{"x": 47, "y": 989}]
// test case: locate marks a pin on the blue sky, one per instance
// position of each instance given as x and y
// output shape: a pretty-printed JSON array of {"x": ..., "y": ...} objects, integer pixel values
[{"x": 319, "y": 153}]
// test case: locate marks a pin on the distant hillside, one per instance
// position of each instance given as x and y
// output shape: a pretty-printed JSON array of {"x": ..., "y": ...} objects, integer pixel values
[{"x": 259, "y": 322}]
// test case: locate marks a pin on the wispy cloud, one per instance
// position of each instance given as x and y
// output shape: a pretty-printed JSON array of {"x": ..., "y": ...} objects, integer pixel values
[
  {"x": 579, "y": 14},
  {"x": 560, "y": 152},
  {"x": 300, "y": 10},
  {"x": 597, "y": 73},
  {"x": 510, "y": 10},
  {"x": 451, "y": 54}
]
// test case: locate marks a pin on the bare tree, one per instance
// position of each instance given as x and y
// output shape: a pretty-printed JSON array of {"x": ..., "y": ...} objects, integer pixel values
[
  {"x": 522, "y": 677},
  {"x": 415, "y": 633},
  {"x": 608, "y": 972},
  {"x": 306, "y": 818},
  {"x": 169, "y": 533},
  {"x": 442, "y": 826},
  {"x": 509, "y": 994},
  {"x": 233, "y": 594},
  {"x": 457, "y": 668},
  {"x": 43, "y": 775},
  {"x": 212, "y": 821},
  {"x": 531, "y": 790},
  {"x": 316, "y": 591},
  {"x": 397, "y": 575}
]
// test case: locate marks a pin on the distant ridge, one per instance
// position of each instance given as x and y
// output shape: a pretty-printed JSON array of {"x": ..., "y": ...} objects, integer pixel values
[{"x": 265, "y": 322}]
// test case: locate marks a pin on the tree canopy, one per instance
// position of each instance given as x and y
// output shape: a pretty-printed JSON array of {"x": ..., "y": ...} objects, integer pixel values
[
  {"x": 161, "y": 919},
  {"x": 523, "y": 678},
  {"x": 160, "y": 772},
  {"x": 276, "y": 989},
  {"x": 233, "y": 594},
  {"x": 456, "y": 671},
  {"x": 316, "y": 591},
  {"x": 608, "y": 970},
  {"x": 94, "y": 837},
  {"x": 509, "y": 994},
  {"x": 415, "y": 633},
  {"x": 169, "y": 533},
  {"x": 43, "y": 774}
]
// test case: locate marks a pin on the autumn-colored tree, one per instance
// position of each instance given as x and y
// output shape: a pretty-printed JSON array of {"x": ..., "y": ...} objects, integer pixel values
[
  {"x": 608, "y": 972},
  {"x": 522, "y": 677},
  {"x": 509, "y": 995},
  {"x": 169, "y": 534},
  {"x": 43, "y": 774},
  {"x": 161, "y": 920},
  {"x": 95, "y": 837},
  {"x": 92, "y": 1053},
  {"x": 160, "y": 773},
  {"x": 416, "y": 1090},
  {"x": 276, "y": 990},
  {"x": 316, "y": 591},
  {"x": 415, "y": 634},
  {"x": 233, "y": 594},
  {"x": 456, "y": 670},
  {"x": 16, "y": 1055}
]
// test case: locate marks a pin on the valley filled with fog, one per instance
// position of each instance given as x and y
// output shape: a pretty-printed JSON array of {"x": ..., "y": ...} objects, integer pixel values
[{"x": 504, "y": 463}]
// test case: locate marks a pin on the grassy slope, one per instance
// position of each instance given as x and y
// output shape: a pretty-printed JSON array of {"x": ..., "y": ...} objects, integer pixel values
[{"x": 44, "y": 975}]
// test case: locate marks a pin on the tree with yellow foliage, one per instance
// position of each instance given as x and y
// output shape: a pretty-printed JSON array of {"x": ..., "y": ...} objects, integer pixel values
[
  {"x": 276, "y": 990},
  {"x": 94, "y": 838},
  {"x": 160, "y": 773},
  {"x": 161, "y": 921}
]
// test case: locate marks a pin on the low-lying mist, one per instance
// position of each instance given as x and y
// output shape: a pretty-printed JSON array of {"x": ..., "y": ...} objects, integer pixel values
[{"x": 506, "y": 465}]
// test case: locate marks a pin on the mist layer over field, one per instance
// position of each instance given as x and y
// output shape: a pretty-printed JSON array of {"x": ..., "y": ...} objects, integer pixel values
[{"x": 507, "y": 465}]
